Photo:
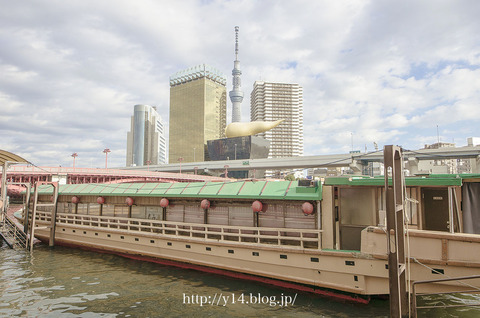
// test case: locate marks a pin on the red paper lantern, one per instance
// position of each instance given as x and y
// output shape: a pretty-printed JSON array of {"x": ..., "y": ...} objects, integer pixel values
[
  {"x": 75, "y": 199},
  {"x": 100, "y": 200},
  {"x": 307, "y": 208},
  {"x": 205, "y": 204},
  {"x": 164, "y": 202},
  {"x": 129, "y": 201},
  {"x": 257, "y": 206}
]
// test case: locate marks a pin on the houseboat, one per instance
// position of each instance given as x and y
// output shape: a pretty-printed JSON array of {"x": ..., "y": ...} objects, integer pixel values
[{"x": 324, "y": 237}]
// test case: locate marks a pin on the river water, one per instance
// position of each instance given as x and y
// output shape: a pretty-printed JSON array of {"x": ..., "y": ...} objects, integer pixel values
[{"x": 69, "y": 282}]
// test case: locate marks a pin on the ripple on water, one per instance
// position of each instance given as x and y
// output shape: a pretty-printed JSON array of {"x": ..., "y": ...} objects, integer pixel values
[{"x": 64, "y": 282}]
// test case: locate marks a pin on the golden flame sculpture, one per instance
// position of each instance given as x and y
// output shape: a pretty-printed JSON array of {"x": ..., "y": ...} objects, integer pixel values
[{"x": 250, "y": 129}]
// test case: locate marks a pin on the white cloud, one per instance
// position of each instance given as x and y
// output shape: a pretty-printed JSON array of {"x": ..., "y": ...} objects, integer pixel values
[{"x": 388, "y": 72}]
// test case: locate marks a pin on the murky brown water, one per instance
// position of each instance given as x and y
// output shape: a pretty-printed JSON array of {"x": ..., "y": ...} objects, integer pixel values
[{"x": 65, "y": 282}]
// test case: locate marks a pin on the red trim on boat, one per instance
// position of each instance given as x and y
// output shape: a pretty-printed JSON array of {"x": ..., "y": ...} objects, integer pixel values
[{"x": 269, "y": 281}]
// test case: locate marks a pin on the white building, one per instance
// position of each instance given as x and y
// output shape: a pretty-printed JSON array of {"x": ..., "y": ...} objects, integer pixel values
[
  {"x": 146, "y": 142},
  {"x": 447, "y": 165},
  {"x": 274, "y": 101}
]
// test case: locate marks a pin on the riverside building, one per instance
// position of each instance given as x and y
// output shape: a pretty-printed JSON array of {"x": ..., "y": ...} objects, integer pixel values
[
  {"x": 146, "y": 143},
  {"x": 275, "y": 101},
  {"x": 198, "y": 107}
]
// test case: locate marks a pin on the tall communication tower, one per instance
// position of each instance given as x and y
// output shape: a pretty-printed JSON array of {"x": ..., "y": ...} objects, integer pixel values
[{"x": 236, "y": 94}]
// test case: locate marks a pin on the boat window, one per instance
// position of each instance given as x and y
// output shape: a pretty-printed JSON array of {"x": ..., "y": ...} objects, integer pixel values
[
  {"x": 273, "y": 217},
  {"x": 357, "y": 206},
  {"x": 122, "y": 210},
  {"x": 64, "y": 207},
  {"x": 381, "y": 198},
  {"x": 150, "y": 212},
  {"x": 44, "y": 208},
  {"x": 382, "y": 213},
  {"x": 411, "y": 206},
  {"x": 93, "y": 209},
  {"x": 240, "y": 216},
  {"x": 108, "y": 210},
  {"x": 357, "y": 210},
  {"x": 218, "y": 215},
  {"x": 296, "y": 219},
  {"x": 175, "y": 213},
  {"x": 82, "y": 208},
  {"x": 194, "y": 214}
]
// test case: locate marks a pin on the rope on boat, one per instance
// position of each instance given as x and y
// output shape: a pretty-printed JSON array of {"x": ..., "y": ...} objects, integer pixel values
[
  {"x": 437, "y": 272},
  {"x": 406, "y": 221}
]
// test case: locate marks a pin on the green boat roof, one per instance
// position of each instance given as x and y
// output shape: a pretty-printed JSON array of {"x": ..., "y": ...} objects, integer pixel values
[
  {"x": 271, "y": 190},
  {"x": 429, "y": 180}
]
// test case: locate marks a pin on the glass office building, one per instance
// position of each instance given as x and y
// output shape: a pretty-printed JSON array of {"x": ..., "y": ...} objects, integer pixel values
[
  {"x": 146, "y": 143},
  {"x": 198, "y": 109}
]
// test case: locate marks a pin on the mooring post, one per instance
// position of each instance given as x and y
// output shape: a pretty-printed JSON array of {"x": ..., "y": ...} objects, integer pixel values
[
  {"x": 51, "y": 241},
  {"x": 395, "y": 231},
  {"x": 26, "y": 208},
  {"x": 3, "y": 190}
]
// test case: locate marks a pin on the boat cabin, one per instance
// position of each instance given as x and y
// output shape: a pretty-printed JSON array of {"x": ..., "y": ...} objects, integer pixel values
[
  {"x": 340, "y": 208},
  {"x": 446, "y": 203},
  {"x": 239, "y": 208}
]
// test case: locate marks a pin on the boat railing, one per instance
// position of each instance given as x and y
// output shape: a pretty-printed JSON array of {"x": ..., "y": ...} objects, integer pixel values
[
  {"x": 292, "y": 237},
  {"x": 13, "y": 235},
  {"x": 444, "y": 303}
]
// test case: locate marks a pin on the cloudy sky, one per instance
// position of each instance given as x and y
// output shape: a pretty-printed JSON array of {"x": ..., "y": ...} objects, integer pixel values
[{"x": 379, "y": 71}]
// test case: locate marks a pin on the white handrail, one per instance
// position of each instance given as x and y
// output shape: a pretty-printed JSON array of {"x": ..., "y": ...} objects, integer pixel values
[{"x": 224, "y": 233}]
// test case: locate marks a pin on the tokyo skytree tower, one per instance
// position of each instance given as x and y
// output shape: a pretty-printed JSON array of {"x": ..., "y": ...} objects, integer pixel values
[{"x": 236, "y": 94}]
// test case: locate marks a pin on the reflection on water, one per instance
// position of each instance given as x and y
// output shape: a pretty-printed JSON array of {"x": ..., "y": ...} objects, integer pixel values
[
  {"x": 65, "y": 282},
  {"x": 449, "y": 300}
]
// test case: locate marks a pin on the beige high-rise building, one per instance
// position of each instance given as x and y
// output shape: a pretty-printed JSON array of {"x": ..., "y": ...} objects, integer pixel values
[
  {"x": 274, "y": 101},
  {"x": 198, "y": 110}
]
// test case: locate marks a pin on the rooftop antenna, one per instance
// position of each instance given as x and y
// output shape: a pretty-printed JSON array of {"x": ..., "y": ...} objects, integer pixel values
[
  {"x": 236, "y": 94},
  {"x": 438, "y": 135},
  {"x": 236, "y": 42}
]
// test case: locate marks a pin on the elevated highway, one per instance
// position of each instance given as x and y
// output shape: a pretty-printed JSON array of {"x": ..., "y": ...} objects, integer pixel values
[{"x": 353, "y": 160}]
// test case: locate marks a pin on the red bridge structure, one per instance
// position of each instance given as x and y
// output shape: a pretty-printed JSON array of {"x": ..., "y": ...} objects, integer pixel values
[{"x": 18, "y": 174}]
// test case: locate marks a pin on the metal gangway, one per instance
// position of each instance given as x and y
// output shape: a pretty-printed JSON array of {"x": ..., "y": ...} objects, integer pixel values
[
  {"x": 14, "y": 235},
  {"x": 11, "y": 233}
]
